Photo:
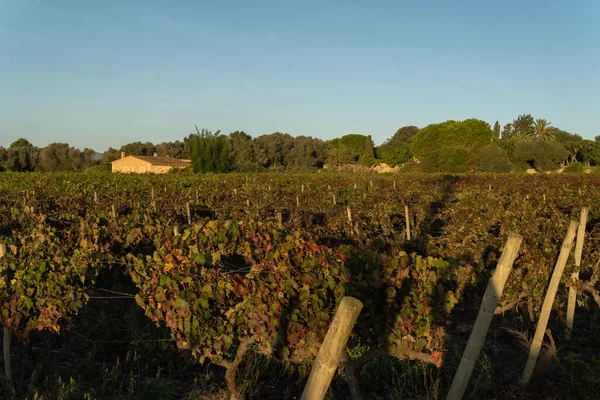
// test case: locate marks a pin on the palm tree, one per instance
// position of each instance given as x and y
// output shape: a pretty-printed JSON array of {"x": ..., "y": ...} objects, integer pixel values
[{"x": 542, "y": 130}]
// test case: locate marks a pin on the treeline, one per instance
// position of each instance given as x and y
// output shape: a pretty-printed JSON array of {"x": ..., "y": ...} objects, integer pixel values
[{"x": 450, "y": 146}]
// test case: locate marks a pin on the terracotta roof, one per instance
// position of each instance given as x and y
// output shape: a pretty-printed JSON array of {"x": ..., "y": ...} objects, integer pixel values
[{"x": 162, "y": 161}]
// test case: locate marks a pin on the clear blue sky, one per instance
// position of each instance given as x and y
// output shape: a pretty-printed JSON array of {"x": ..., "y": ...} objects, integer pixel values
[{"x": 105, "y": 73}]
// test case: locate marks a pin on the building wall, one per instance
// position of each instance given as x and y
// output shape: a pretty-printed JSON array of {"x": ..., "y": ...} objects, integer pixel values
[
  {"x": 136, "y": 166},
  {"x": 130, "y": 165}
]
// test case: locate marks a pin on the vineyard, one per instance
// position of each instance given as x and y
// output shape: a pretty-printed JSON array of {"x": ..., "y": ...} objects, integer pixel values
[{"x": 224, "y": 286}]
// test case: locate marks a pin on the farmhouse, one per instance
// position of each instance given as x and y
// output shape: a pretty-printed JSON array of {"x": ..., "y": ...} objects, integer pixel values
[{"x": 148, "y": 164}]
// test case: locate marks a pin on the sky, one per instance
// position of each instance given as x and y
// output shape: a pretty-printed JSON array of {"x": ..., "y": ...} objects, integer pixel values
[{"x": 105, "y": 73}]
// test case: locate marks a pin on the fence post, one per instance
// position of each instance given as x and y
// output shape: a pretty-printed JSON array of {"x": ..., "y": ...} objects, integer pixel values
[
  {"x": 331, "y": 349},
  {"x": 572, "y": 302},
  {"x": 7, "y": 338},
  {"x": 490, "y": 300},
  {"x": 540, "y": 330},
  {"x": 407, "y": 222}
]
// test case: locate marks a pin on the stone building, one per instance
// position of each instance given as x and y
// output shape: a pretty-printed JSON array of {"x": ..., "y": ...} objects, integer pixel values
[{"x": 148, "y": 164}]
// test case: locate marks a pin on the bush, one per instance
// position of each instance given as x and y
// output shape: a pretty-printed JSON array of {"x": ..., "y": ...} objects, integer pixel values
[
  {"x": 450, "y": 159},
  {"x": 543, "y": 156},
  {"x": 494, "y": 159},
  {"x": 574, "y": 168}
]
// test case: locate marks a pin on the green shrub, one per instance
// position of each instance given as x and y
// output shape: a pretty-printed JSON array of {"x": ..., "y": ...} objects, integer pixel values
[
  {"x": 494, "y": 159},
  {"x": 574, "y": 168},
  {"x": 543, "y": 156},
  {"x": 449, "y": 159}
]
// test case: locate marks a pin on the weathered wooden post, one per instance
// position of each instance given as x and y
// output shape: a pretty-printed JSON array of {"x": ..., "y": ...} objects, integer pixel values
[
  {"x": 332, "y": 349},
  {"x": 279, "y": 220},
  {"x": 95, "y": 197},
  {"x": 540, "y": 330},
  {"x": 490, "y": 300},
  {"x": 349, "y": 215},
  {"x": 572, "y": 302},
  {"x": 297, "y": 201},
  {"x": 189, "y": 212},
  {"x": 113, "y": 211},
  {"x": 7, "y": 338},
  {"x": 152, "y": 194},
  {"x": 407, "y": 217}
]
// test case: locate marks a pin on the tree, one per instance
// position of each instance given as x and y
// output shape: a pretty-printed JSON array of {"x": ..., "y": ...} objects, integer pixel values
[
  {"x": 59, "y": 157},
  {"x": 542, "y": 130},
  {"x": 211, "y": 152},
  {"x": 242, "y": 152},
  {"x": 493, "y": 158},
  {"x": 109, "y": 156},
  {"x": 346, "y": 150},
  {"x": 507, "y": 131},
  {"x": 471, "y": 134},
  {"x": 22, "y": 142},
  {"x": 396, "y": 150},
  {"x": 523, "y": 126},
  {"x": 367, "y": 158},
  {"x": 540, "y": 155},
  {"x": 497, "y": 130},
  {"x": 138, "y": 149}
]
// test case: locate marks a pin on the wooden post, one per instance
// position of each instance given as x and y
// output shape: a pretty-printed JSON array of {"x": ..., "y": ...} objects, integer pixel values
[
  {"x": 279, "y": 220},
  {"x": 349, "y": 215},
  {"x": 407, "y": 222},
  {"x": 114, "y": 211},
  {"x": 490, "y": 300},
  {"x": 197, "y": 196},
  {"x": 95, "y": 197},
  {"x": 7, "y": 338},
  {"x": 540, "y": 330},
  {"x": 334, "y": 203},
  {"x": 152, "y": 194},
  {"x": 572, "y": 302},
  {"x": 302, "y": 190},
  {"x": 332, "y": 349},
  {"x": 297, "y": 201},
  {"x": 189, "y": 213}
]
